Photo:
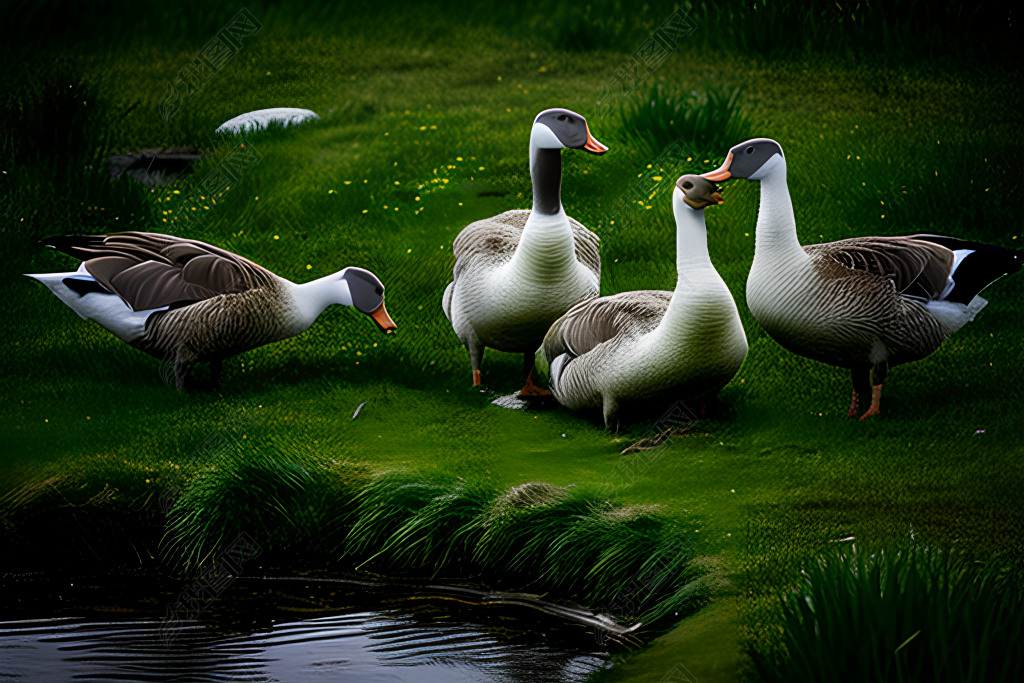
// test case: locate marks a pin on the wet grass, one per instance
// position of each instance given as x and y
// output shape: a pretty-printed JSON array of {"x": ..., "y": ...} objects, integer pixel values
[
  {"x": 108, "y": 467},
  {"x": 914, "y": 614}
]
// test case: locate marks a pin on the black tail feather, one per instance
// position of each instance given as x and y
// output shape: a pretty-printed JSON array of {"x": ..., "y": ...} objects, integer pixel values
[
  {"x": 74, "y": 245},
  {"x": 977, "y": 270},
  {"x": 81, "y": 287}
]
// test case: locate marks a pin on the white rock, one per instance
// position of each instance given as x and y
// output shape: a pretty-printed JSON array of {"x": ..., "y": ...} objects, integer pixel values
[
  {"x": 512, "y": 402},
  {"x": 255, "y": 120}
]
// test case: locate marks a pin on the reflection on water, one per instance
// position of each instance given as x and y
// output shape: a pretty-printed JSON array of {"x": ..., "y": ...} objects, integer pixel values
[{"x": 291, "y": 632}]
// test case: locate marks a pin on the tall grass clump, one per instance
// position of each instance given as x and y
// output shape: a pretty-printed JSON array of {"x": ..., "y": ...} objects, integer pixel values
[
  {"x": 913, "y": 614},
  {"x": 408, "y": 524},
  {"x": 284, "y": 501},
  {"x": 533, "y": 537},
  {"x": 536, "y": 537},
  {"x": 703, "y": 121}
]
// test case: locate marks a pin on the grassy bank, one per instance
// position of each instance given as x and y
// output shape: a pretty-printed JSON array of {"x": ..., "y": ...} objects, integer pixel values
[
  {"x": 575, "y": 546},
  {"x": 107, "y": 465}
]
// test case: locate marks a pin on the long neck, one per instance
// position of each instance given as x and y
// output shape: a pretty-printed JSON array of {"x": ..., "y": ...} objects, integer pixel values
[
  {"x": 546, "y": 249},
  {"x": 311, "y": 298},
  {"x": 691, "y": 241},
  {"x": 546, "y": 173},
  {"x": 694, "y": 271},
  {"x": 776, "y": 225}
]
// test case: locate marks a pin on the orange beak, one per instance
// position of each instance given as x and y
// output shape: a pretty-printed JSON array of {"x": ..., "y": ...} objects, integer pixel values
[
  {"x": 383, "y": 320},
  {"x": 721, "y": 173},
  {"x": 593, "y": 146}
]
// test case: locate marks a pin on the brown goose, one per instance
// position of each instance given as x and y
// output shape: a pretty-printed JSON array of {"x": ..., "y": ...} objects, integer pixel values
[
  {"x": 633, "y": 346},
  {"x": 187, "y": 301},
  {"x": 517, "y": 272},
  {"x": 866, "y": 303}
]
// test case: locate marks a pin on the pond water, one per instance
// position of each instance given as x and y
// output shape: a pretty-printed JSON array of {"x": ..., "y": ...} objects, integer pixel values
[{"x": 288, "y": 631}]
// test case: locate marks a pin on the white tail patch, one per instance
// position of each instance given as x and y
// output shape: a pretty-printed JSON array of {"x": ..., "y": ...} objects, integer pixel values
[
  {"x": 958, "y": 256},
  {"x": 952, "y": 316},
  {"x": 108, "y": 310}
]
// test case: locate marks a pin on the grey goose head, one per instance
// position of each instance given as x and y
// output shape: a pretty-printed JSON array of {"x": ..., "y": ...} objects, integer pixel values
[
  {"x": 747, "y": 160},
  {"x": 563, "y": 128},
  {"x": 367, "y": 294},
  {"x": 698, "y": 192}
]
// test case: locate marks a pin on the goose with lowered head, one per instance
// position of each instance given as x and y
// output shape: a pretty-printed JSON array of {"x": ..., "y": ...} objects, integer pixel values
[{"x": 187, "y": 301}]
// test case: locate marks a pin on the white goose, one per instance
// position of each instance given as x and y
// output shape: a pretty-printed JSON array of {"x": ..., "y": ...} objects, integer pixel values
[
  {"x": 866, "y": 303},
  {"x": 633, "y": 346},
  {"x": 517, "y": 272},
  {"x": 187, "y": 301}
]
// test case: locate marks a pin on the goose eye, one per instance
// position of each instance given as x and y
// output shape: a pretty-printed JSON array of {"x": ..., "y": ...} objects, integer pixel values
[
  {"x": 562, "y": 117},
  {"x": 750, "y": 150},
  {"x": 687, "y": 185}
]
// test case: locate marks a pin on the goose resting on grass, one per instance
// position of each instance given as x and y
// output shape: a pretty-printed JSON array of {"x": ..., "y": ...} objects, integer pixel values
[
  {"x": 866, "y": 303},
  {"x": 517, "y": 272},
  {"x": 632, "y": 346},
  {"x": 186, "y": 301}
]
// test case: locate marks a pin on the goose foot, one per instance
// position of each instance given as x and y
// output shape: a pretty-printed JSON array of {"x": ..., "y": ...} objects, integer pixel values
[
  {"x": 861, "y": 382},
  {"x": 853, "y": 406},
  {"x": 476, "y": 378},
  {"x": 876, "y": 399},
  {"x": 531, "y": 390}
]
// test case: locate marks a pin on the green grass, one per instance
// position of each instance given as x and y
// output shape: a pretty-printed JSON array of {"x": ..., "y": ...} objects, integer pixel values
[
  {"x": 924, "y": 133},
  {"x": 569, "y": 544},
  {"x": 899, "y": 615},
  {"x": 703, "y": 122}
]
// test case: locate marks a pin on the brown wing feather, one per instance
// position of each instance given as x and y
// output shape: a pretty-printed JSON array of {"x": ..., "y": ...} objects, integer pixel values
[
  {"x": 151, "y": 270},
  {"x": 151, "y": 284},
  {"x": 912, "y": 265},
  {"x": 595, "y": 321},
  {"x": 214, "y": 273}
]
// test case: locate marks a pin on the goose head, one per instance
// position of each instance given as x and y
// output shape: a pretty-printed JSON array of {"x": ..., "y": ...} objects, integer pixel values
[
  {"x": 563, "y": 129},
  {"x": 364, "y": 291},
  {"x": 750, "y": 160},
  {"x": 553, "y": 131},
  {"x": 696, "y": 192}
]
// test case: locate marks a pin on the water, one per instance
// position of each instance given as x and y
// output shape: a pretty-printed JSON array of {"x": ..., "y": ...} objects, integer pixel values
[{"x": 287, "y": 631}]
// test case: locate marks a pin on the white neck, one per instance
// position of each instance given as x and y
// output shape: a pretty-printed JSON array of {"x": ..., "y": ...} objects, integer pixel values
[
  {"x": 311, "y": 298},
  {"x": 694, "y": 270},
  {"x": 546, "y": 249},
  {"x": 776, "y": 225},
  {"x": 691, "y": 237}
]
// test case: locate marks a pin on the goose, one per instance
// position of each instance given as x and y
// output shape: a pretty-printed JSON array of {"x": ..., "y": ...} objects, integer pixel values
[
  {"x": 517, "y": 272},
  {"x": 633, "y": 346},
  {"x": 865, "y": 303},
  {"x": 185, "y": 301}
]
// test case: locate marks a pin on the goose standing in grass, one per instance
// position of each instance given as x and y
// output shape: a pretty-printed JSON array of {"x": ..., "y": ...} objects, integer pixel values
[
  {"x": 866, "y": 303},
  {"x": 186, "y": 301},
  {"x": 517, "y": 272},
  {"x": 632, "y": 346}
]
